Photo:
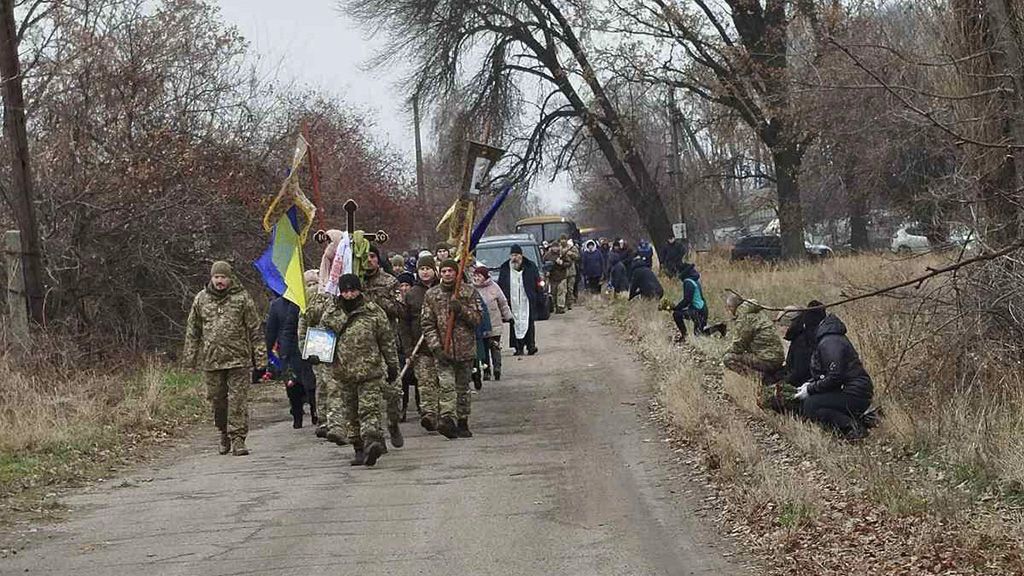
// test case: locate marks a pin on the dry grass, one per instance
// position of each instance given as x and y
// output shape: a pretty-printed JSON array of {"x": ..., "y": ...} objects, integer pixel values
[
  {"x": 57, "y": 425},
  {"x": 951, "y": 445}
]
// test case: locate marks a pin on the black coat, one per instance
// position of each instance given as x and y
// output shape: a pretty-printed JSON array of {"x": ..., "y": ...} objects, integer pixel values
[
  {"x": 283, "y": 328},
  {"x": 531, "y": 284},
  {"x": 835, "y": 364},
  {"x": 801, "y": 347},
  {"x": 644, "y": 283},
  {"x": 619, "y": 277}
]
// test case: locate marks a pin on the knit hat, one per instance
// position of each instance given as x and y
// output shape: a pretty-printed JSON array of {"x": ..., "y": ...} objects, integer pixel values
[
  {"x": 442, "y": 246},
  {"x": 375, "y": 251},
  {"x": 220, "y": 268},
  {"x": 311, "y": 276},
  {"x": 449, "y": 263},
  {"x": 426, "y": 261},
  {"x": 516, "y": 249},
  {"x": 406, "y": 278},
  {"x": 425, "y": 253},
  {"x": 483, "y": 271},
  {"x": 349, "y": 282}
]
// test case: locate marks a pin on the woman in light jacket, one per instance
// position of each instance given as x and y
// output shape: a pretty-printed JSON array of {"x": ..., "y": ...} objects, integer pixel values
[{"x": 497, "y": 307}]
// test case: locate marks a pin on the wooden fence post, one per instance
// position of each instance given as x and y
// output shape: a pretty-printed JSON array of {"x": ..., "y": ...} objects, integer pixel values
[{"x": 17, "y": 299}]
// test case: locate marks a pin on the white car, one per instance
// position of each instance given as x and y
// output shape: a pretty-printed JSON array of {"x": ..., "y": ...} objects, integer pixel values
[{"x": 910, "y": 240}]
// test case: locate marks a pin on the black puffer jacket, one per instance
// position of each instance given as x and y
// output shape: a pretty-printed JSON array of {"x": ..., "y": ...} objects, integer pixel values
[
  {"x": 643, "y": 282},
  {"x": 835, "y": 364}
]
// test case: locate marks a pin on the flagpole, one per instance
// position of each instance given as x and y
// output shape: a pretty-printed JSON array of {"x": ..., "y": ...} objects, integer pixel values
[
  {"x": 314, "y": 174},
  {"x": 463, "y": 258}
]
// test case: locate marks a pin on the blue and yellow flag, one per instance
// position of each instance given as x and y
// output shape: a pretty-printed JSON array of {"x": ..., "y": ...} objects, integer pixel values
[
  {"x": 281, "y": 264},
  {"x": 288, "y": 220}
]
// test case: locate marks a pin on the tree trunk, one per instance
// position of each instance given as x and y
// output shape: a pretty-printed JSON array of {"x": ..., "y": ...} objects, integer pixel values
[
  {"x": 21, "y": 175},
  {"x": 787, "y": 159},
  {"x": 1010, "y": 179},
  {"x": 859, "y": 238}
]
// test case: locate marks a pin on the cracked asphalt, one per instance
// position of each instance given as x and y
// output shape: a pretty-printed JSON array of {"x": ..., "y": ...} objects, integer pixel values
[{"x": 565, "y": 475}]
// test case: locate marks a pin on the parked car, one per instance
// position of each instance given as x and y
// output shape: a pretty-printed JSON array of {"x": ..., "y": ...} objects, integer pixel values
[
  {"x": 493, "y": 251},
  {"x": 910, "y": 239},
  {"x": 768, "y": 247}
]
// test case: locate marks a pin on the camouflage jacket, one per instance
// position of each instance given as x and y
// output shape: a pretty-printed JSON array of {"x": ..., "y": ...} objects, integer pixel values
[
  {"x": 380, "y": 288},
  {"x": 366, "y": 343},
  {"x": 572, "y": 256},
  {"x": 753, "y": 333},
  {"x": 412, "y": 309},
  {"x": 558, "y": 272},
  {"x": 223, "y": 331},
  {"x": 434, "y": 322}
]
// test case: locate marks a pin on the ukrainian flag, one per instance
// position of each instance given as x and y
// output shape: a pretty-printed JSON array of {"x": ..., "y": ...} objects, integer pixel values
[{"x": 281, "y": 264}]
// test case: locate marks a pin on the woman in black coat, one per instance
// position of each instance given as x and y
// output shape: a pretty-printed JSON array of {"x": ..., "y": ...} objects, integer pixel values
[{"x": 840, "y": 389}]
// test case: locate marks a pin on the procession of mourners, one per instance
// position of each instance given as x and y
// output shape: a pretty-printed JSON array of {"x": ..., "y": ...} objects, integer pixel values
[{"x": 363, "y": 339}]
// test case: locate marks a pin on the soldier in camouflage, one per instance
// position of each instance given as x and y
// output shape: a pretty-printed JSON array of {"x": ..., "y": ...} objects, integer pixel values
[
  {"x": 381, "y": 288},
  {"x": 454, "y": 361},
  {"x": 365, "y": 361},
  {"x": 331, "y": 423},
  {"x": 756, "y": 348},
  {"x": 423, "y": 363},
  {"x": 571, "y": 254},
  {"x": 223, "y": 338}
]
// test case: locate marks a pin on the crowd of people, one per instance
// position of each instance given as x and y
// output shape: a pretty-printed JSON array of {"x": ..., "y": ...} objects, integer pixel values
[
  {"x": 399, "y": 327},
  {"x": 411, "y": 323}
]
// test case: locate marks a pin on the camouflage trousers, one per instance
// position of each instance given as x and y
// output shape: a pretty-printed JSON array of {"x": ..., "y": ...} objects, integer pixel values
[
  {"x": 453, "y": 388},
  {"x": 750, "y": 365},
  {"x": 362, "y": 402},
  {"x": 425, "y": 368},
  {"x": 390, "y": 401},
  {"x": 330, "y": 402},
  {"x": 228, "y": 393},
  {"x": 559, "y": 292},
  {"x": 570, "y": 291}
]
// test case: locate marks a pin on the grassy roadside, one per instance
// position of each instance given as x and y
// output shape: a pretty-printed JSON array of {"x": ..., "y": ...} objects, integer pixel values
[
  {"x": 911, "y": 500},
  {"x": 60, "y": 428}
]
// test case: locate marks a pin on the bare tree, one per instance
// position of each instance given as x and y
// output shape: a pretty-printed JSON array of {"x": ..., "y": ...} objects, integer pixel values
[{"x": 511, "y": 51}]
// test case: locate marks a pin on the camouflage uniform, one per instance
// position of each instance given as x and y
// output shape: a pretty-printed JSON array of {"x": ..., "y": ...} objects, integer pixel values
[
  {"x": 224, "y": 339},
  {"x": 453, "y": 366},
  {"x": 329, "y": 400},
  {"x": 557, "y": 276},
  {"x": 381, "y": 288},
  {"x": 571, "y": 254},
  {"x": 755, "y": 346},
  {"x": 423, "y": 364},
  {"x": 364, "y": 354}
]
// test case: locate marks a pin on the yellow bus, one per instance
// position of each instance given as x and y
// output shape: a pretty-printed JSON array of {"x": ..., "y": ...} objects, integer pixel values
[{"x": 548, "y": 228}]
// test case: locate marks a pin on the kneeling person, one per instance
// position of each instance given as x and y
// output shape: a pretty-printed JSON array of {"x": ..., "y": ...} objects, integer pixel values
[
  {"x": 365, "y": 359},
  {"x": 454, "y": 362},
  {"x": 755, "y": 348}
]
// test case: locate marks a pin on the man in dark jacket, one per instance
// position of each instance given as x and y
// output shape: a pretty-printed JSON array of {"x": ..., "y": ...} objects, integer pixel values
[
  {"x": 592, "y": 267},
  {"x": 780, "y": 388},
  {"x": 644, "y": 282},
  {"x": 618, "y": 275},
  {"x": 282, "y": 330},
  {"x": 840, "y": 390},
  {"x": 519, "y": 279},
  {"x": 671, "y": 255}
]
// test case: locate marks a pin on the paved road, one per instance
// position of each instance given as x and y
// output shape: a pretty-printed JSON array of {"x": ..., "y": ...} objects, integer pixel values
[{"x": 563, "y": 477}]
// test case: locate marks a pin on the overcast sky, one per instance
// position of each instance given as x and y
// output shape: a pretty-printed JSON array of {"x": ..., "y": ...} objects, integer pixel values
[{"x": 313, "y": 42}]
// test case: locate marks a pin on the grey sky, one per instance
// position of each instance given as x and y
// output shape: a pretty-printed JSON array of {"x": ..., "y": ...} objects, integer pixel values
[{"x": 313, "y": 42}]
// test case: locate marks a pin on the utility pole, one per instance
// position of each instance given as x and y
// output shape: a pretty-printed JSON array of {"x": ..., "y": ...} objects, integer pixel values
[
  {"x": 21, "y": 175},
  {"x": 674, "y": 158},
  {"x": 421, "y": 186}
]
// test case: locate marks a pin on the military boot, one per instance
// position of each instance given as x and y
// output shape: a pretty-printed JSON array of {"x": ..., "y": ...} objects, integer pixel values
[
  {"x": 336, "y": 437},
  {"x": 238, "y": 447},
  {"x": 225, "y": 443},
  {"x": 429, "y": 422},
  {"x": 396, "y": 435},
  {"x": 446, "y": 426},
  {"x": 462, "y": 429},
  {"x": 360, "y": 457},
  {"x": 321, "y": 431},
  {"x": 297, "y": 421},
  {"x": 374, "y": 452},
  {"x": 497, "y": 375}
]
